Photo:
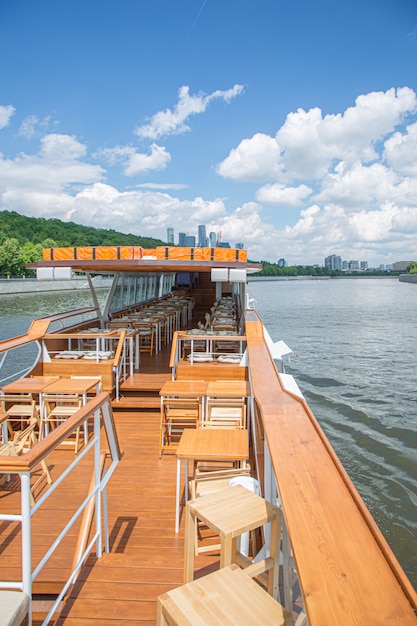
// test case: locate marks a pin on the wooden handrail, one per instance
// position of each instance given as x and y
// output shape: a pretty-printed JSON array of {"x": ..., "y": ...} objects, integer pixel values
[
  {"x": 173, "y": 349},
  {"x": 119, "y": 350},
  {"x": 28, "y": 461},
  {"x": 39, "y": 327},
  {"x": 331, "y": 530}
]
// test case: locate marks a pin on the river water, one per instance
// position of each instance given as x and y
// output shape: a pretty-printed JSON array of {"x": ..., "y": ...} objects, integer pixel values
[{"x": 355, "y": 345}]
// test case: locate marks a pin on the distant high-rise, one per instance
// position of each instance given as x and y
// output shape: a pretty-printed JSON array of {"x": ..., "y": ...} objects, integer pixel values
[
  {"x": 170, "y": 234},
  {"x": 202, "y": 237},
  {"x": 189, "y": 241},
  {"x": 213, "y": 239},
  {"x": 282, "y": 263},
  {"x": 239, "y": 246},
  {"x": 333, "y": 262},
  {"x": 181, "y": 239}
]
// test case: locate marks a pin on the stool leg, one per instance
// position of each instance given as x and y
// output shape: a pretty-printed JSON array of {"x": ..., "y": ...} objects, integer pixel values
[
  {"x": 227, "y": 550},
  {"x": 189, "y": 543},
  {"x": 160, "y": 617},
  {"x": 273, "y": 573}
]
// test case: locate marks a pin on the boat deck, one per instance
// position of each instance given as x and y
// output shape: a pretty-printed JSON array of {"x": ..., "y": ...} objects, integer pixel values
[
  {"x": 146, "y": 555},
  {"x": 145, "y": 550}
]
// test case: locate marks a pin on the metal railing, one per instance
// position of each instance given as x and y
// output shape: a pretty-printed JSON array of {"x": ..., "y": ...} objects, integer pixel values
[{"x": 97, "y": 408}]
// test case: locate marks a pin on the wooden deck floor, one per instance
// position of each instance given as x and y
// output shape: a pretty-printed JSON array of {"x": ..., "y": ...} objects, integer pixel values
[{"x": 146, "y": 555}]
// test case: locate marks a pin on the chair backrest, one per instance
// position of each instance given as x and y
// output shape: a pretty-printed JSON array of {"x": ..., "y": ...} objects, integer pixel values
[
  {"x": 226, "y": 414},
  {"x": 16, "y": 398},
  {"x": 68, "y": 401}
]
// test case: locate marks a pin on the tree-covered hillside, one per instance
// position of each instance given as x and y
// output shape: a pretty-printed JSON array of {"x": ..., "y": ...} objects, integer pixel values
[
  {"x": 37, "y": 229},
  {"x": 22, "y": 239}
]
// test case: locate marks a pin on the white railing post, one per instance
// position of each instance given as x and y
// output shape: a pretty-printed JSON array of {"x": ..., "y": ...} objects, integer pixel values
[
  {"x": 97, "y": 482},
  {"x": 26, "y": 539}
]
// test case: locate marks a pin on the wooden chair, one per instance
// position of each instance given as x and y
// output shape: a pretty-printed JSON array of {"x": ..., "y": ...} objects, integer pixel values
[
  {"x": 177, "y": 414},
  {"x": 207, "y": 482},
  {"x": 231, "y": 513},
  {"x": 58, "y": 408},
  {"x": 20, "y": 443},
  {"x": 204, "y": 482},
  {"x": 18, "y": 409},
  {"x": 225, "y": 413},
  {"x": 146, "y": 336}
]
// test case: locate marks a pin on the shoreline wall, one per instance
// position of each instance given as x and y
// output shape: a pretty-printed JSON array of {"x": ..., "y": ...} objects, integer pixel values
[
  {"x": 33, "y": 285},
  {"x": 408, "y": 278}
]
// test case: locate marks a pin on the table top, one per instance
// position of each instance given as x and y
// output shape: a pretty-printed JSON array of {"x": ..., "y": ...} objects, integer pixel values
[
  {"x": 30, "y": 385},
  {"x": 73, "y": 385},
  {"x": 219, "y": 595},
  {"x": 213, "y": 444},
  {"x": 228, "y": 388},
  {"x": 184, "y": 388},
  {"x": 101, "y": 334}
]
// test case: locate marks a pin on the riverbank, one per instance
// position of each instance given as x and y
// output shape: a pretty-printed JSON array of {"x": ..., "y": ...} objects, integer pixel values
[
  {"x": 33, "y": 285},
  {"x": 408, "y": 278}
]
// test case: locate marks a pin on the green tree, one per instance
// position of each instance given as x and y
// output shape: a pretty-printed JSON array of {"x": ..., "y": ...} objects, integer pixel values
[{"x": 11, "y": 258}]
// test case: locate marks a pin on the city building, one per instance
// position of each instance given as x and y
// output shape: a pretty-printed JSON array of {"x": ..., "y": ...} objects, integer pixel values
[
  {"x": 189, "y": 241},
  {"x": 212, "y": 239},
  {"x": 282, "y": 263},
  {"x": 181, "y": 239},
  {"x": 202, "y": 237},
  {"x": 333, "y": 262},
  {"x": 170, "y": 235},
  {"x": 400, "y": 266},
  {"x": 353, "y": 265}
]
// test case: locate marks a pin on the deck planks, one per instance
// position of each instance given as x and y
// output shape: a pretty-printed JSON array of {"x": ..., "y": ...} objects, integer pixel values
[{"x": 146, "y": 555}]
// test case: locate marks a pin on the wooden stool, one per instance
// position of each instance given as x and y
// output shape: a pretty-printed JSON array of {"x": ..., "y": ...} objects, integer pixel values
[
  {"x": 228, "y": 596},
  {"x": 230, "y": 513}
]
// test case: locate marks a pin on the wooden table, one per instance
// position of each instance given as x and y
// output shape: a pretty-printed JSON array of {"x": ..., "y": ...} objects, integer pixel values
[
  {"x": 228, "y": 389},
  {"x": 74, "y": 385},
  {"x": 208, "y": 444},
  {"x": 35, "y": 384},
  {"x": 184, "y": 389}
]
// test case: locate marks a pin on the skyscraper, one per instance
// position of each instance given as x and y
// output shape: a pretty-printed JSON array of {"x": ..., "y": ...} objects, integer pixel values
[
  {"x": 170, "y": 234},
  {"x": 202, "y": 237}
]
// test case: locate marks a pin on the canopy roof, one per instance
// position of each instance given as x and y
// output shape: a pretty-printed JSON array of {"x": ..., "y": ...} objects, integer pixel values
[{"x": 112, "y": 259}]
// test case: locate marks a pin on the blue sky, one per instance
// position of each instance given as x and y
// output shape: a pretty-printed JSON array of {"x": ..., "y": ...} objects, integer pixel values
[{"x": 288, "y": 126}]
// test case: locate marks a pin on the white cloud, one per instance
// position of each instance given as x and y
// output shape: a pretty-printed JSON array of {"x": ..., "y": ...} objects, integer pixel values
[
  {"x": 255, "y": 159},
  {"x": 32, "y": 126},
  {"x": 136, "y": 162},
  {"x": 6, "y": 113},
  {"x": 281, "y": 195},
  {"x": 56, "y": 168},
  {"x": 164, "y": 186},
  {"x": 308, "y": 145},
  {"x": 158, "y": 159},
  {"x": 400, "y": 151},
  {"x": 173, "y": 121},
  {"x": 358, "y": 187},
  {"x": 350, "y": 180}
]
